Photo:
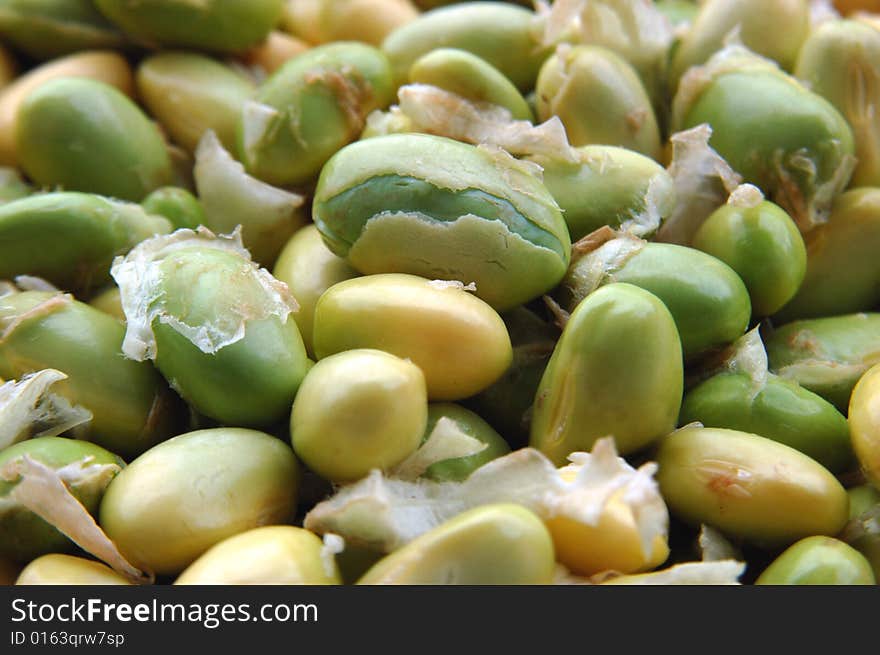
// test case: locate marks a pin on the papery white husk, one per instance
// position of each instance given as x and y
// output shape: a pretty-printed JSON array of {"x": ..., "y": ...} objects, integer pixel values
[
  {"x": 259, "y": 123},
  {"x": 746, "y": 196},
  {"x": 720, "y": 572},
  {"x": 232, "y": 198},
  {"x": 386, "y": 513},
  {"x": 708, "y": 572},
  {"x": 648, "y": 221},
  {"x": 382, "y": 123},
  {"x": 634, "y": 29},
  {"x": 703, "y": 181},
  {"x": 748, "y": 356},
  {"x": 446, "y": 441},
  {"x": 141, "y": 287},
  {"x": 333, "y": 546},
  {"x": 47, "y": 493},
  {"x": 435, "y": 111},
  {"x": 600, "y": 255},
  {"x": 745, "y": 356},
  {"x": 715, "y": 547},
  {"x": 453, "y": 284},
  {"x": 28, "y": 409}
]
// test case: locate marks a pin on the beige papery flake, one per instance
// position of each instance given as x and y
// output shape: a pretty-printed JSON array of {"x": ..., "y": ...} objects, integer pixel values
[
  {"x": 703, "y": 181},
  {"x": 47, "y": 493},
  {"x": 140, "y": 278},
  {"x": 385, "y": 512}
]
